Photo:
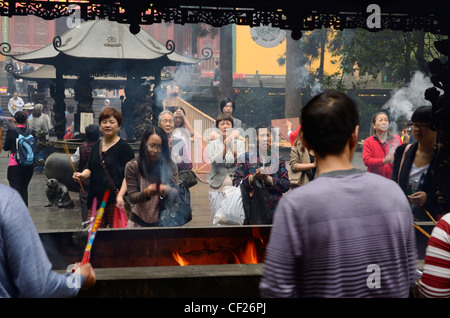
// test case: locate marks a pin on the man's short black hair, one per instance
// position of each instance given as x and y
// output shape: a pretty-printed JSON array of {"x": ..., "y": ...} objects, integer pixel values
[{"x": 328, "y": 121}]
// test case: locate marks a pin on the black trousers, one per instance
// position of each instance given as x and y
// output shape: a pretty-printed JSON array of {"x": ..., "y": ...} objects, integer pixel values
[{"x": 19, "y": 177}]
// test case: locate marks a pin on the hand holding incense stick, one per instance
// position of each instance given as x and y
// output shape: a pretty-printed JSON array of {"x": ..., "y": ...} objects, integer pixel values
[{"x": 66, "y": 149}]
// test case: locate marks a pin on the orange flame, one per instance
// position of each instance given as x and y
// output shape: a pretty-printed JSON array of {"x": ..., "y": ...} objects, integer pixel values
[
  {"x": 249, "y": 256},
  {"x": 180, "y": 260}
]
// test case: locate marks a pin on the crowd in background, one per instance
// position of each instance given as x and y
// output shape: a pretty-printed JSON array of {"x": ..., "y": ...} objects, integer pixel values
[{"x": 311, "y": 201}]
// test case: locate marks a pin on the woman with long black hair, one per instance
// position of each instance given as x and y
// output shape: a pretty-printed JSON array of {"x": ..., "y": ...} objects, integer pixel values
[
  {"x": 413, "y": 165},
  {"x": 149, "y": 178}
]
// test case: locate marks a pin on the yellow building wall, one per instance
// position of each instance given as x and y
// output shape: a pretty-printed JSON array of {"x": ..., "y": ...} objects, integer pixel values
[{"x": 251, "y": 57}]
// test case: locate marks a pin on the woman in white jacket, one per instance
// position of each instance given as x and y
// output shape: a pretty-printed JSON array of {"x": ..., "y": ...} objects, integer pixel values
[{"x": 223, "y": 153}]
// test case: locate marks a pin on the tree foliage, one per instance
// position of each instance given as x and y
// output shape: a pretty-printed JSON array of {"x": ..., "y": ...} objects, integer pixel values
[{"x": 396, "y": 55}]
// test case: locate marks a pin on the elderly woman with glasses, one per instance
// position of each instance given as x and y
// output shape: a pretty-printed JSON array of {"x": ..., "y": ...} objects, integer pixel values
[
  {"x": 413, "y": 165},
  {"x": 150, "y": 177},
  {"x": 166, "y": 120}
]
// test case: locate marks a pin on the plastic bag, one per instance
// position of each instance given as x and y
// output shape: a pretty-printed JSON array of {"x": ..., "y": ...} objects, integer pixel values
[
  {"x": 120, "y": 220},
  {"x": 231, "y": 211}
]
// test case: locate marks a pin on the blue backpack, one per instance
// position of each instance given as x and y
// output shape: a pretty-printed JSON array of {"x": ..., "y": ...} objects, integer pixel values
[{"x": 25, "y": 148}]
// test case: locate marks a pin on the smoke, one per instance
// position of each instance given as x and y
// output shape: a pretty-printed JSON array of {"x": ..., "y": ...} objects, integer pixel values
[
  {"x": 405, "y": 100},
  {"x": 303, "y": 78}
]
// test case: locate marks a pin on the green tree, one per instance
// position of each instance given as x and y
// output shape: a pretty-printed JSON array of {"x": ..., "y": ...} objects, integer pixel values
[{"x": 394, "y": 54}]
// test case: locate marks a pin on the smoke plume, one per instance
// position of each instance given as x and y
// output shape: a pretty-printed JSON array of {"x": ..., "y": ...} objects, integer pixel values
[
  {"x": 304, "y": 79},
  {"x": 406, "y": 99}
]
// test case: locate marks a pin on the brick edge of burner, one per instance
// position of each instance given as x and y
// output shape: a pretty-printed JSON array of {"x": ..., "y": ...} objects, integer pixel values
[
  {"x": 197, "y": 281},
  {"x": 145, "y": 247}
]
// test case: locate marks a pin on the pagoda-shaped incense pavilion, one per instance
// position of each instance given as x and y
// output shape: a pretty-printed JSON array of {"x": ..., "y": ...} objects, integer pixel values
[{"x": 103, "y": 48}]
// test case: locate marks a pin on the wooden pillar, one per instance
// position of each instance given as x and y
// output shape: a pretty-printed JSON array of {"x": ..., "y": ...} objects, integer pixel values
[
  {"x": 59, "y": 107},
  {"x": 83, "y": 95}
]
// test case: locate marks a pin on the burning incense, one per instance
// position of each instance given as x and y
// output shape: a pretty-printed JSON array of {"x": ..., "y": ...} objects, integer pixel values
[
  {"x": 429, "y": 215},
  {"x": 421, "y": 230},
  {"x": 66, "y": 149},
  {"x": 98, "y": 218}
]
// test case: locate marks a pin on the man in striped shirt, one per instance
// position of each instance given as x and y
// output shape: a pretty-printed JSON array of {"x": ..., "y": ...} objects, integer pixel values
[
  {"x": 435, "y": 280},
  {"x": 348, "y": 233}
]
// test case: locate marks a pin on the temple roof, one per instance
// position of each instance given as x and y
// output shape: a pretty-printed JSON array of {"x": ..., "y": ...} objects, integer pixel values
[{"x": 105, "y": 46}]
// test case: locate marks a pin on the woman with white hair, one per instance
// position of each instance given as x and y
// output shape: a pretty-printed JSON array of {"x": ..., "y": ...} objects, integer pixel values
[{"x": 166, "y": 120}]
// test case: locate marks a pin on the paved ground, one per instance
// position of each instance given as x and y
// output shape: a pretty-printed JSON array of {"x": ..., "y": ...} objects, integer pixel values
[{"x": 53, "y": 218}]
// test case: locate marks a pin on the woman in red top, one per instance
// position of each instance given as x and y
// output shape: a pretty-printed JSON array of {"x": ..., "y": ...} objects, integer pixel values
[{"x": 378, "y": 150}]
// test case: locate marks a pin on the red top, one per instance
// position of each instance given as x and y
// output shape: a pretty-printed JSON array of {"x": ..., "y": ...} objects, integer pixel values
[
  {"x": 374, "y": 152},
  {"x": 294, "y": 135}
]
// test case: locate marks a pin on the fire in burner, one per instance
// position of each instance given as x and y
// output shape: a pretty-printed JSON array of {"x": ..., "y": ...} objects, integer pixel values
[{"x": 245, "y": 255}]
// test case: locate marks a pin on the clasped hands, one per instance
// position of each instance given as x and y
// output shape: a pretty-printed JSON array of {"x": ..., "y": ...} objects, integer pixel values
[{"x": 260, "y": 176}]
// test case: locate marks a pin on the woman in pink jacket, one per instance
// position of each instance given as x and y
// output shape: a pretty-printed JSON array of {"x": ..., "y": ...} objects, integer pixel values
[{"x": 378, "y": 150}]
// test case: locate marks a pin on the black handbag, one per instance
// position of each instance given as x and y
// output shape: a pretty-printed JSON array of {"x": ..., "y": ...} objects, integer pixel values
[
  {"x": 176, "y": 210},
  {"x": 255, "y": 206},
  {"x": 188, "y": 177}
]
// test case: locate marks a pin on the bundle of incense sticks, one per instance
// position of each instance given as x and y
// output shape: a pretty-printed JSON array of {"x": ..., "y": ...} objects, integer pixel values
[
  {"x": 66, "y": 149},
  {"x": 93, "y": 232}
]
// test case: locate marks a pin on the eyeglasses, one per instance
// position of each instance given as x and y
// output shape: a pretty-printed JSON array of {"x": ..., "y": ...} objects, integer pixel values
[
  {"x": 421, "y": 127},
  {"x": 165, "y": 121},
  {"x": 154, "y": 147}
]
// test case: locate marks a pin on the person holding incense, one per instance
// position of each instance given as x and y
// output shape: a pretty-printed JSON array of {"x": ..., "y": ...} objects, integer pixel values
[
  {"x": 413, "y": 165},
  {"x": 80, "y": 157},
  {"x": 106, "y": 165},
  {"x": 348, "y": 233},
  {"x": 301, "y": 163},
  {"x": 262, "y": 169},
  {"x": 178, "y": 147},
  {"x": 222, "y": 152},
  {"x": 150, "y": 177},
  {"x": 25, "y": 270},
  {"x": 378, "y": 149}
]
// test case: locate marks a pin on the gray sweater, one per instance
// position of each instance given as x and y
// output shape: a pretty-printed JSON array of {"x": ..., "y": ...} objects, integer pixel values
[{"x": 345, "y": 234}]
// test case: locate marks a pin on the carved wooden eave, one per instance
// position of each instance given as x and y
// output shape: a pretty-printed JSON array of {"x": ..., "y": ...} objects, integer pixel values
[{"x": 296, "y": 16}]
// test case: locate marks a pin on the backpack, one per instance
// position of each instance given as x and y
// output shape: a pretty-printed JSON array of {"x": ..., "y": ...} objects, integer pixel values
[{"x": 25, "y": 148}]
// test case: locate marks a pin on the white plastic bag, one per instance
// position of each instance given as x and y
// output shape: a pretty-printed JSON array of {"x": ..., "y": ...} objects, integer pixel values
[{"x": 231, "y": 211}]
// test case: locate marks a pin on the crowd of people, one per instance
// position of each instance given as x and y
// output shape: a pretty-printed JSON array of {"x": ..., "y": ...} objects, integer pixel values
[{"x": 329, "y": 219}]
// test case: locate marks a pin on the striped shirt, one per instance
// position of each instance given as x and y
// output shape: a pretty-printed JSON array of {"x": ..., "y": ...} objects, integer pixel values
[
  {"x": 345, "y": 234},
  {"x": 435, "y": 280}
]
